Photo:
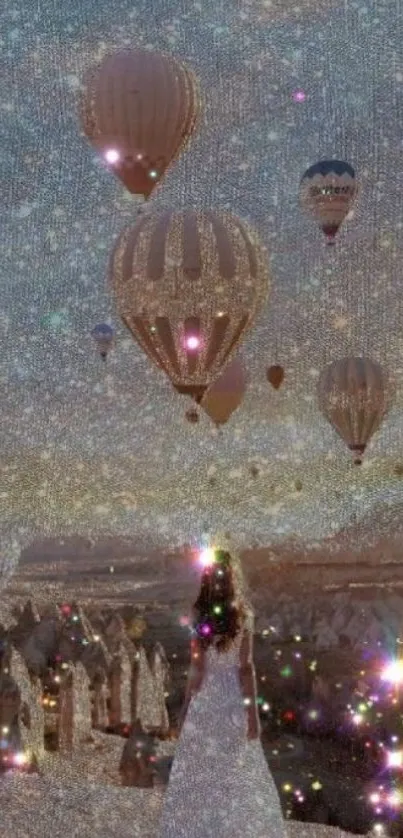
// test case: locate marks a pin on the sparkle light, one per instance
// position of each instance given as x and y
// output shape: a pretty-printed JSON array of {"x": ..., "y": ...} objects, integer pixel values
[
  {"x": 112, "y": 155},
  {"x": 192, "y": 342},
  {"x": 20, "y": 759},
  {"x": 394, "y": 759},
  {"x": 393, "y": 672},
  {"x": 207, "y": 557},
  {"x": 299, "y": 96}
]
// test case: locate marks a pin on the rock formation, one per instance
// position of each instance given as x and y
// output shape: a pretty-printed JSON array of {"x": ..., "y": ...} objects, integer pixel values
[
  {"x": 74, "y": 709},
  {"x": 100, "y": 714},
  {"x": 120, "y": 688}
]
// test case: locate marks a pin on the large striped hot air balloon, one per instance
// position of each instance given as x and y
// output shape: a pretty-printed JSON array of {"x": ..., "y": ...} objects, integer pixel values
[
  {"x": 327, "y": 192},
  {"x": 138, "y": 110},
  {"x": 354, "y": 395},
  {"x": 188, "y": 286}
]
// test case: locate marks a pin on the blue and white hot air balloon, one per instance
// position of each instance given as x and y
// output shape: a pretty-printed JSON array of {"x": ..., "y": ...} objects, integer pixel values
[
  {"x": 327, "y": 192},
  {"x": 104, "y": 337}
]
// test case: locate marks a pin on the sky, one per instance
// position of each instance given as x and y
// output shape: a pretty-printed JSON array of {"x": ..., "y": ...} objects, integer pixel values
[{"x": 105, "y": 449}]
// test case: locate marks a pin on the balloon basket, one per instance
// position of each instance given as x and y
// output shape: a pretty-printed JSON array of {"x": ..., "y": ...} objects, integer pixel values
[{"x": 218, "y": 431}]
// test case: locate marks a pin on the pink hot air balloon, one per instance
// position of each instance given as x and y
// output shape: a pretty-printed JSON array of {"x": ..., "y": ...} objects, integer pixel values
[
  {"x": 139, "y": 110},
  {"x": 226, "y": 393}
]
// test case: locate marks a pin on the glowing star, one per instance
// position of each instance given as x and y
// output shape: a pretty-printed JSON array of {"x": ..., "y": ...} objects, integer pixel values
[
  {"x": 394, "y": 759},
  {"x": 393, "y": 672},
  {"x": 192, "y": 343},
  {"x": 20, "y": 759},
  {"x": 112, "y": 155},
  {"x": 206, "y": 557},
  {"x": 299, "y": 96}
]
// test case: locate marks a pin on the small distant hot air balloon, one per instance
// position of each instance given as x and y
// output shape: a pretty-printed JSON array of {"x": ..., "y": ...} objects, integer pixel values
[
  {"x": 138, "y": 110},
  {"x": 192, "y": 416},
  {"x": 188, "y": 286},
  {"x": 327, "y": 192},
  {"x": 104, "y": 337},
  {"x": 226, "y": 393},
  {"x": 275, "y": 376},
  {"x": 354, "y": 396}
]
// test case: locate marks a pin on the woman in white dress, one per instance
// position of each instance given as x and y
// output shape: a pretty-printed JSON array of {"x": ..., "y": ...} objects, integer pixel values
[{"x": 220, "y": 784}]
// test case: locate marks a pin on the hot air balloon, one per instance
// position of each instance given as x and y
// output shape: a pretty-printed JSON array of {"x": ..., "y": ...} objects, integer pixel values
[
  {"x": 104, "y": 336},
  {"x": 327, "y": 192},
  {"x": 226, "y": 393},
  {"x": 354, "y": 396},
  {"x": 275, "y": 376},
  {"x": 192, "y": 416},
  {"x": 188, "y": 286},
  {"x": 138, "y": 110}
]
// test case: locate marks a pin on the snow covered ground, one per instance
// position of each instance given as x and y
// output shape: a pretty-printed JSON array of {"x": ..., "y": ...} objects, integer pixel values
[{"x": 33, "y": 806}]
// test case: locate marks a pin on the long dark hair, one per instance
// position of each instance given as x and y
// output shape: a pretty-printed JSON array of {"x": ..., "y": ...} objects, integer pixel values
[{"x": 217, "y": 618}]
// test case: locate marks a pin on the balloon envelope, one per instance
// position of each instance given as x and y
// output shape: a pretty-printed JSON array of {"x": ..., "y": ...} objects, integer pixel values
[
  {"x": 103, "y": 336},
  {"x": 275, "y": 376},
  {"x": 226, "y": 393},
  {"x": 354, "y": 395},
  {"x": 188, "y": 285},
  {"x": 138, "y": 110},
  {"x": 327, "y": 192}
]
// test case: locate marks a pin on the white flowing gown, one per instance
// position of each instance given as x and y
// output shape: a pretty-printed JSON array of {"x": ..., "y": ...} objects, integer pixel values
[{"x": 220, "y": 784}]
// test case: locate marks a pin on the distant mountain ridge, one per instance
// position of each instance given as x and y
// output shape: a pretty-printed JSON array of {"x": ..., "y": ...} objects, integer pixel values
[{"x": 377, "y": 536}]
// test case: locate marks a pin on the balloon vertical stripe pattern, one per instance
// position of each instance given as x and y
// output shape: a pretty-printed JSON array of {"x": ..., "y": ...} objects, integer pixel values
[
  {"x": 354, "y": 395},
  {"x": 139, "y": 110},
  {"x": 188, "y": 285}
]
